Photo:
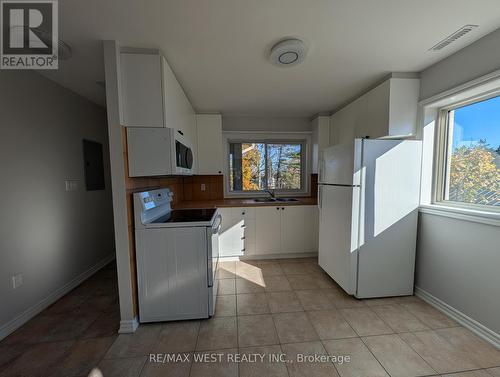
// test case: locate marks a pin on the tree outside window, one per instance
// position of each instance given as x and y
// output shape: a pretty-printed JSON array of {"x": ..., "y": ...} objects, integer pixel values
[
  {"x": 258, "y": 166},
  {"x": 474, "y": 154}
]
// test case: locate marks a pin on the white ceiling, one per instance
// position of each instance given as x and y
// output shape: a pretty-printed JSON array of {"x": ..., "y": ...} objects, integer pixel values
[{"x": 218, "y": 48}]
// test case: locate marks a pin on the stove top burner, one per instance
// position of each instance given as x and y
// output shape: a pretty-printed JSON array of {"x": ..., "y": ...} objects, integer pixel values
[{"x": 186, "y": 216}]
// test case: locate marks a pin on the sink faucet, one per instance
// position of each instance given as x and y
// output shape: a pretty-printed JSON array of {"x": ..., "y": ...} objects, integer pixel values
[{"x": 272, "y": 193}]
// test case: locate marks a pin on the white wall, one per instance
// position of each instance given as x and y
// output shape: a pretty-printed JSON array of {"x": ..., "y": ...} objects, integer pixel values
[
  {"x": 46, "y": 233},
  {"x": 475, "y": 60},
  {"x": 457, "y": 260},
  {"x": 255, "y": 123}
]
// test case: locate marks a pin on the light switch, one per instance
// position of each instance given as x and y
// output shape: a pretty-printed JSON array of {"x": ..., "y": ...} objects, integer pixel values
[
  {"x": 17, "y": 281},
  {"x": 203, "y": 187},
  {"x": 71, "y": 185}
]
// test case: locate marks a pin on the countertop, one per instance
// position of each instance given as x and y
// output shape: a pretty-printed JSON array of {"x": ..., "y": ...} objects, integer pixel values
[{"x": 305, "y": 201}]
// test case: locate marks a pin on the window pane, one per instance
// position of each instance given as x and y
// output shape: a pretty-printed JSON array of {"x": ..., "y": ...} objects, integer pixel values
[
  {"x": 247, "y": 166},
  {"x": 257, "y": 166},
  {"x": 474, "y": 155},
  {"x": 284, "y": 166}
]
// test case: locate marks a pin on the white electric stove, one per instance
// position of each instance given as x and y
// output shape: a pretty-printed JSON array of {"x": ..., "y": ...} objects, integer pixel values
[{"x": 177, "y": 253}]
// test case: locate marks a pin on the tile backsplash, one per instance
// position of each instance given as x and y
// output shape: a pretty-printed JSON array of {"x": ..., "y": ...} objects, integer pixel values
[{"x": 203, "y": 187}]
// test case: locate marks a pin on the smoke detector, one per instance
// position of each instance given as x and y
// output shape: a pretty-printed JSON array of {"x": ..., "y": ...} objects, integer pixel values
[
  {"x": 288, "y": 52},
  {"x": 453, "y": 37}
]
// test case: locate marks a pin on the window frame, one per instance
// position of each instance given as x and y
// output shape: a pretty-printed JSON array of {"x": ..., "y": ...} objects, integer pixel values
[
  {"x": 442, "y": 154},
  {"x": 303, "y": 138}
]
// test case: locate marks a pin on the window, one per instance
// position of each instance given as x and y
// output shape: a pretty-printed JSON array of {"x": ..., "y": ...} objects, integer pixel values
[
  {"x": 472, "y": 153},
  {"x": 257, "y": 166}
]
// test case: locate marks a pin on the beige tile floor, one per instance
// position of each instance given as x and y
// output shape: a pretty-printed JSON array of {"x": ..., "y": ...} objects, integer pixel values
[{"x": 264, "y": 307}]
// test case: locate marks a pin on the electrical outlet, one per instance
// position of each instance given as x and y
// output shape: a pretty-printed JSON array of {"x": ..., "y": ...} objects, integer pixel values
[
  {"x": 203, "y": 187},
  {"x": 17, "y": 281}
]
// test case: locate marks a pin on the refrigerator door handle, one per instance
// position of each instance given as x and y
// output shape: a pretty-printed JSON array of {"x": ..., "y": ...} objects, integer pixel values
[
  {"x": 319, "y": 197},
  {"x": 321, "y": 167},
  {"x": 320, "y": 170}
]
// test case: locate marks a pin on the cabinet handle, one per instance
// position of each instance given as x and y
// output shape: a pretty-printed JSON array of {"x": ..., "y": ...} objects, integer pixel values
[
  {"x": 243, "y": 226},
  {"x": 179, "y": 131},
  {"x": 243, "y": 237},
  {"x": 278, "y": 208},
  {"x": 283, "y": 208},
  {"x": 242, "y": 249},
  {"x": 243, "y": 213}
]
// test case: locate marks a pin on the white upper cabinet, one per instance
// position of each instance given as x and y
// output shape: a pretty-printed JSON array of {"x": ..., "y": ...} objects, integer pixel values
[
  {"x": 343, "y": 124},
  {"x": 179, "y": 113},
  {"x": 388, "y": 110},
  {"x": 210, "y": 150},
  {"x": 320, "y": 139},
  {"x": 141, "y": 90},
  {"x": 151, "y": 96}
]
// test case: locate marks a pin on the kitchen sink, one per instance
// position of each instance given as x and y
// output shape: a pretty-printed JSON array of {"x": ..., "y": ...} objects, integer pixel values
[{"x": 271, "y": 200}]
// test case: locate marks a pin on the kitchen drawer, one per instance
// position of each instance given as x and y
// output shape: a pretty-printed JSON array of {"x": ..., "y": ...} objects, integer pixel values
[
  {"x": 244, "y": 247},
  {"x": 249, "y": 249},
  {"x": 249, "y": 230}
]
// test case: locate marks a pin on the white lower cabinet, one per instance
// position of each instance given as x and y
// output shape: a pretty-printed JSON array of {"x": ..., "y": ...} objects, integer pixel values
[
  {"x": 311, "y": 238},
  {"x": 254, "y": 231},
  {"x": 293, "y": 229},
  {"x": 268, "y": 230},
  {"x": 237, "y": 235}
]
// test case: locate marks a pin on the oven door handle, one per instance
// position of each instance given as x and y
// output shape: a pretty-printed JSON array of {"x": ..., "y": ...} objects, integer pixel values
[{"x": 217, "y": 224}]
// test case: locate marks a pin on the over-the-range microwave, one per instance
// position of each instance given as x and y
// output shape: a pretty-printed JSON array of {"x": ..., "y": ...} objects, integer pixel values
[{"x": 158, "y": 151}]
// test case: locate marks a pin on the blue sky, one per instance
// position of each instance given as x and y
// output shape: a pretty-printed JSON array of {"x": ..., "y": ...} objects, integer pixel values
[{"x": 478, "y": 121}]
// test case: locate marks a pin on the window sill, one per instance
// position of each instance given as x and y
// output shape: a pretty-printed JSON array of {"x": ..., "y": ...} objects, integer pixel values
[{"x": 465, "y": 214}]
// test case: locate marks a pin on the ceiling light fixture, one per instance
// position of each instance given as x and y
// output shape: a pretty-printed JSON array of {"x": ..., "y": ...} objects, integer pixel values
[{"x": 288, "y": 52}]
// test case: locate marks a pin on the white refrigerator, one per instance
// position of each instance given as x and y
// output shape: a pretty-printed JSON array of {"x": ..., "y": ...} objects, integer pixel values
[{"x": 368, "y": 199}]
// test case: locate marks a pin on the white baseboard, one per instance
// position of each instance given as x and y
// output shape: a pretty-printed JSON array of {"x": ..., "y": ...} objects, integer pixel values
[
  {"x": 480, "y": 330},
  {"x": 25, "y": 316},
  {"x": 128, "y": 326},
  {"x": 268, "y": 256}
]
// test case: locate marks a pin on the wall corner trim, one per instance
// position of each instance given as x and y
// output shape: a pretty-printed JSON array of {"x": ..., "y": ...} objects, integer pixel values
[
  {"x": 29, "y": 313},
  {"x": 128, "y": 326},
  {"x": 480, "y": 330}
]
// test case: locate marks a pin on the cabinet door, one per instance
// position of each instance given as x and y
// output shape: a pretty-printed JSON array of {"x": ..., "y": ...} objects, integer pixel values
[
  {"x": 231, "y": 234},
  {"x": 343, "y": 125},
  {"x": 293, "y": 229},
  {"x": 268, "y": 230},
  {"x": 375, "y": 119},
  {"x": 311, "y": 229},
  {"x": 209, "y": 134},
  {"x": 179, "y": 114},
  {"x": 141, "y": 90},
  {"x": 320, "y": 140},
  {"x": 148, "y": 151}
]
